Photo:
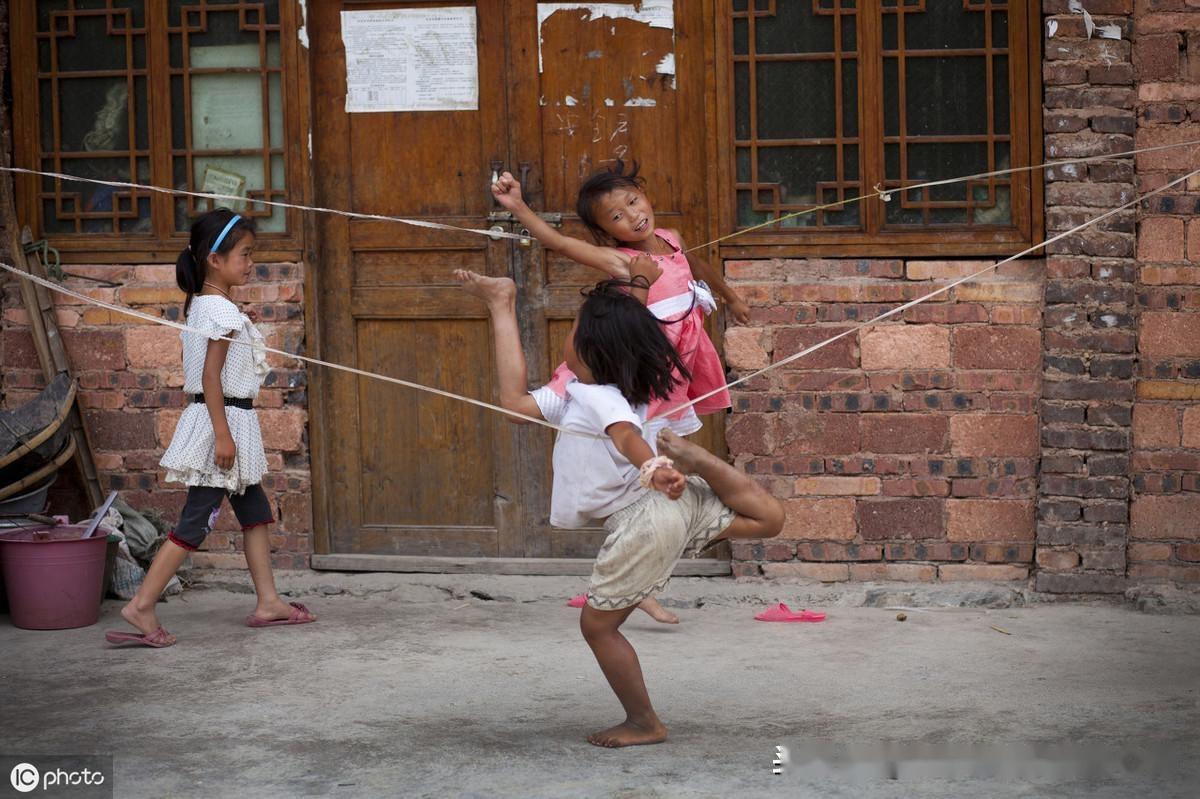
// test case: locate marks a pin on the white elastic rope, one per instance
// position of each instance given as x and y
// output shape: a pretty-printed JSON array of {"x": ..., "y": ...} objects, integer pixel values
[
  {"x": 315, "y": 361},
  {"x": 941, "y": 290},
  {"x": 273, "y": 203}
]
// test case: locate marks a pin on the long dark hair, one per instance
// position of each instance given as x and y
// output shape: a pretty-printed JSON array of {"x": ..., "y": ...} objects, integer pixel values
[
  {"x": 192, "y": 263},
  {"x": 622, "y": 344},
  {"x": 599, "y": 184}
]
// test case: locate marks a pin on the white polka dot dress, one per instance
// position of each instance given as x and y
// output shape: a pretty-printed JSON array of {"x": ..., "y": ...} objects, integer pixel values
[{"x": 189, "y": 458}]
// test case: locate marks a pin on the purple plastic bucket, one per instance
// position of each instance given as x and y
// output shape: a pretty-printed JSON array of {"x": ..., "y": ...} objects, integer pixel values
[{"x": 53, "y": 578}]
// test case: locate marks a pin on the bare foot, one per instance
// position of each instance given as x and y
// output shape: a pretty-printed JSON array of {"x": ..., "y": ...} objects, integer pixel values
[
  {"x": 629, "y": 734},
  {"x": 146, "y": 621},
  {"x": 488, "y": 289},
  {"x": 278, "y": 609},
  {"x": 687, "y": 456},
  {"x": 657, "y": 611}
]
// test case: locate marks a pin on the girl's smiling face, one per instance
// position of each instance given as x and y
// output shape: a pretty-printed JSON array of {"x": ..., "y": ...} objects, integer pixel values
[
  {"x": 626, "y": 215},
  {"x": 233, "y": 268}
]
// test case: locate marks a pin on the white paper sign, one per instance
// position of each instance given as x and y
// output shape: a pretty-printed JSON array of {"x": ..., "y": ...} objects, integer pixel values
[{"x": 411, "y": 59}]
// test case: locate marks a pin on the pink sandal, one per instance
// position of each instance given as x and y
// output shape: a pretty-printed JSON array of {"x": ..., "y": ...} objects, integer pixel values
[
  {"x": 577, "y": 601},
  {"x": 156, "y": 639},
  {"x": 782, "y": 612},
  {"x": 294, "y": 618}
]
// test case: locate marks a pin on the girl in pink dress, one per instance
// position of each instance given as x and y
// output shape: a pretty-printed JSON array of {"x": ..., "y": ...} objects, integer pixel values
[
  {"x": 615, "y": 209},
  {"x": 617, "y": 212}
]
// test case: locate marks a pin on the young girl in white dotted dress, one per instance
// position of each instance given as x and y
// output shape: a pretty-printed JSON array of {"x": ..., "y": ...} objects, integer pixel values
[{"x": 217, "y": 448}]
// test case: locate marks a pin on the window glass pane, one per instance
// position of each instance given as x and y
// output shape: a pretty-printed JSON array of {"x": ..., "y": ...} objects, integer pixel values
[
  {"x": 946, "y": 114},
  {"x": 227, "y": 106},
  {"x": 93, "y": 114},
  {"x": 803, "y": 59},
  {"x": 811, "y": 112}
]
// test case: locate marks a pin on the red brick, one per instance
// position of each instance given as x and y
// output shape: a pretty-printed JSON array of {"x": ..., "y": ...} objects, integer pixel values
[
  {"x": 1156, "y": 56},
  {"x": 904, "y": 432},
  {"x": 164, "y": 425},
  {"x": 942, "y": 270},
  {"x": 818, "y": 434},
  {"x": 1177, "y": 158},
  {"x": 95, "y": 349},
  {"x": 282, "y": 429},
  {"x": 954, "y": 572},
  {"x": 897, "y": 572},
  {"x": 991, "y": 434},
  {"x": 989, "y": 520},
  {"x": 837, "y": 486},
  {"x": 295, "y": 512},
  {"x": 838, "y": 355},
  {"x": 1165, "y": 517},
  {"x": 119, "y": 431},
  {"x": 1155, "y": 426},
  {"x": 1188, "y": 552},
  {"x": 908, "y": 487},
  {"x": 900, "y": 518},
  {"x": 1170, "y": 275},
  {"x": 824, "y": 572},
  {"x": 1178, "y": 574},
  {"x": 745, "y": 348},
  {"x": 1191, "y": 427},
  {"x": 153, "y": 347},
  {"x": 826, "y": 552},
  {"x": 1143, "y": 552},
  {"x": 1193, "y": 240},
  {"x": 750, "y": 434},
  {"x": 997, "y": 348},
  {"x": 1166, "y": 334},
  {"x": 154, "y": 273},
  {"x": 219, "y": 560},
  {"x": 820, "y": 519},
  {"x": 1160, "y": 238},
  {"x": 151, "y": 295},
  {"x": 1057, "y": 559},
  {"x": 905, "y": 347}
]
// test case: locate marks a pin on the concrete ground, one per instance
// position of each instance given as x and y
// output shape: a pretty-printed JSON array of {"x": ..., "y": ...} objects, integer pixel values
[{"x": 413, "y": 686}]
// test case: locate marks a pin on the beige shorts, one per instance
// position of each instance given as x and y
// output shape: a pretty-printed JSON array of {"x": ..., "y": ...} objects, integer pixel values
[{"x": 648, "y": 537}]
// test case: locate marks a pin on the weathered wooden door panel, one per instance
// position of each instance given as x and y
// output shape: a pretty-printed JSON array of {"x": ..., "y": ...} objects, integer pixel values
[
  {"x": 410, "y": 473},
  {"x": 407, "y": 473}
]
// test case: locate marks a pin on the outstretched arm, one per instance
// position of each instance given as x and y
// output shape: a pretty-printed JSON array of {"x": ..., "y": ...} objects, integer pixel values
[
  {"x": 705, "y": 271},
  {"x": 608, "y": 260},
  {"x": 501, "y": 297}
]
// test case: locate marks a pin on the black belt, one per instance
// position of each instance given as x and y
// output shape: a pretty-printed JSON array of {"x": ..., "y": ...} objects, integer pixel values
[{"x": 245, "y": 403}]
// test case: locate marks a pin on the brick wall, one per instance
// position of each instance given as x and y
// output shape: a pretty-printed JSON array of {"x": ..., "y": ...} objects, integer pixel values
[
  {"x": 1165, "y": 514},
  {"x": 908, "y": 454},
  {"x": 1090, "y": 313},
  {"x": 131, "y": 378}
]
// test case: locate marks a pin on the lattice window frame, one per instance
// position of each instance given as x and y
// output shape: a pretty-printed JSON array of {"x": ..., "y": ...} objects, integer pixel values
[
  {"x": 163, "y": 242},
  {"x": 875, "y": 237}
]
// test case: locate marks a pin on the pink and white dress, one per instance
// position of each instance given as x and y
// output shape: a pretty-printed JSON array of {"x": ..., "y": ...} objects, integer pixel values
[{"x": 681, "y": 302}]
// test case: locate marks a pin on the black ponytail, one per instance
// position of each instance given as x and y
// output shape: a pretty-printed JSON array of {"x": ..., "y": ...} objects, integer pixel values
[{"x": 192, "y": 263}]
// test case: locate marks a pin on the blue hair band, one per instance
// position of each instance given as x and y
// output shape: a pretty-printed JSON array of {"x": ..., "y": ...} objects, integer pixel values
[{"x": 221, "y": 238}]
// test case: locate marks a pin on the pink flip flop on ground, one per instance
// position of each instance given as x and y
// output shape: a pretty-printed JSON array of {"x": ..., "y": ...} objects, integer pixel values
[
  {"x": 577, "y": 601},
  {"x": 296, "y": 617},
  {"x": 156, "y": 639},
  {"x": 782, "y": 612}
]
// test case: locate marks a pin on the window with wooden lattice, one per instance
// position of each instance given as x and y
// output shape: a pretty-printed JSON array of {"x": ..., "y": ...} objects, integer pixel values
[
  {"x": 825, "y": 100},
  {"x": 197, "y": 95}
]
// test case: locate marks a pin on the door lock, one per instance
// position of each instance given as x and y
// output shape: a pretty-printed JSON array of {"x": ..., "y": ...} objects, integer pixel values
[{"x": 525, "y": 240}]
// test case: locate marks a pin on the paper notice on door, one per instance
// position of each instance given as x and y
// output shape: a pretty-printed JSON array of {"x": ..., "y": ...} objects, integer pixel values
[{"x": 411, "y": 59}]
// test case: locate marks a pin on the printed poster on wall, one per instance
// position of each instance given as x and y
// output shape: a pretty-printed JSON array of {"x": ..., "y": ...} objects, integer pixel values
[{"x": 411, "y": 59}]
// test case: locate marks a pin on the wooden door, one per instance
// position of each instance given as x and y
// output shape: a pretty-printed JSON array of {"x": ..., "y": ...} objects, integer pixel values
[{"x": 406, "y": 473}]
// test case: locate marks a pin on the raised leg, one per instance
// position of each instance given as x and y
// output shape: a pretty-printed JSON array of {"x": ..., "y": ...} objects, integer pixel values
[{"x": 759, "y": 515}]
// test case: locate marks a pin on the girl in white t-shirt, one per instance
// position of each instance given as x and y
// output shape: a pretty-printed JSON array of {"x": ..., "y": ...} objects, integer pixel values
[{"x": 605, "y": 470}]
